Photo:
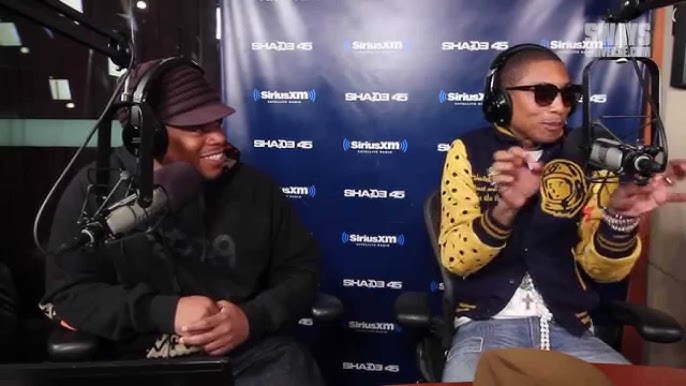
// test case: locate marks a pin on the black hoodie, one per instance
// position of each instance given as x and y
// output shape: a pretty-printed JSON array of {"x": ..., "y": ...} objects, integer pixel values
[{"x": 240, "y": 240}]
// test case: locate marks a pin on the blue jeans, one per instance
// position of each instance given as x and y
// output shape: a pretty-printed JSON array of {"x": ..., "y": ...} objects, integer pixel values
[{"x": 477, "y": 336}]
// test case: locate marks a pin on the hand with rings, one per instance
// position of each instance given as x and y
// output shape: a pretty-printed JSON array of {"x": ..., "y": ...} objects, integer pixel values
[
  {"x": 515, "y": 178},
  {"x": 631, "y": 200}
]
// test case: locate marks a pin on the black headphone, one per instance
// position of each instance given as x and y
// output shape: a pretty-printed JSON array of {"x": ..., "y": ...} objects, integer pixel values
[
  {"x": 141, "y": 114},
  {"x": 497, "y": 104}
]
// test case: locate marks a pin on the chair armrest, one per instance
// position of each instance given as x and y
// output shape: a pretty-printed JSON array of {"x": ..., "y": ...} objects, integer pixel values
[
  {"x": 653, "y": 325},
  {"x": 327, "y": 307},
  {"x": 412, "y": 310},
  {"x": 67, "y": 345}
]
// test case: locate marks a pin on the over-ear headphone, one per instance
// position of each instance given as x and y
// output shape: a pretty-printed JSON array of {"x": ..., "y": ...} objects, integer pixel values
[
  {"x": 497, "y": 104},
  {"x": 141, "y": 114}
]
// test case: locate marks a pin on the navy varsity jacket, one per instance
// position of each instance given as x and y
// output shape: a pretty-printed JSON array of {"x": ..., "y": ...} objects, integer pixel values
[{"x": 558, "y": 236}]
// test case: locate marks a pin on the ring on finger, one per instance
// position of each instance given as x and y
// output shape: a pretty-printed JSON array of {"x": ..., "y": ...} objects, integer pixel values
[{"x": 669, "y": 181}]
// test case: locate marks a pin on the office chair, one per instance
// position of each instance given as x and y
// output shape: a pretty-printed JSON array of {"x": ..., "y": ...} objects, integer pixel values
[
  {"x": 68, "y": 345},
  {"x": 77, "y": 358},
  {"x": 413, "y": 311}
]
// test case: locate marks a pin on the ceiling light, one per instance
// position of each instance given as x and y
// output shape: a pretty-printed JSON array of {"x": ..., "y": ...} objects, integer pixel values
[
  {"x": 9, "y": 35},
  {"x": 59, "y": 88},
  {"x": 76, "y": 4}
]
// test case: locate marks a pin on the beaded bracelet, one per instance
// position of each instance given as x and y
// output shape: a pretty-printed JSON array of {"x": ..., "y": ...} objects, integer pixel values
[{"x": 619, "y": 223}]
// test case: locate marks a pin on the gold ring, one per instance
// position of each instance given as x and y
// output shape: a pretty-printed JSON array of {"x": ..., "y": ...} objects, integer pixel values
[{"x": 490, "y": 172}]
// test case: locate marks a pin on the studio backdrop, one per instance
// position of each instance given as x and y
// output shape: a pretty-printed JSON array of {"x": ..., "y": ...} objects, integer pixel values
[{"x": 351, "y": 106}]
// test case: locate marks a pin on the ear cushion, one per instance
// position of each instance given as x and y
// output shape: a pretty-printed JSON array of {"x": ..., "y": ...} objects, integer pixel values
[
  {"x": 497, "y": 104},
  {"x": 139, "y": 115},
  {"x": 498, "y": 107}
]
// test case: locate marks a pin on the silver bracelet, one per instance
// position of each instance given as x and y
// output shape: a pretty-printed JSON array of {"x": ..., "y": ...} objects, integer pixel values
[{"x": 619, "y": 223}]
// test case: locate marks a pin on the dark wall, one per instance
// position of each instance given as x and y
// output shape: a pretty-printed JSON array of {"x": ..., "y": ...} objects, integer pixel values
[{"x": 165, "y": 28}]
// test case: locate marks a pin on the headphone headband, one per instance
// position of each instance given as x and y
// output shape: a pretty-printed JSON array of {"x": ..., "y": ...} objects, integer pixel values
[
  {"x": 497, "y": 107},
  {"x": 154, "y": 73}
]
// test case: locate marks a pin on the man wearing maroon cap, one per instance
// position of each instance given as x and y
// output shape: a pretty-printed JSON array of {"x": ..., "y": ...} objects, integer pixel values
[{"x": 226, "y": 275}]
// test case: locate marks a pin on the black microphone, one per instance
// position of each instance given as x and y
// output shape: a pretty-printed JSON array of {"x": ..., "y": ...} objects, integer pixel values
[
  {"x": 601, "y": 150},
  {"x": 175, "y": 185},
  {"x": 631, "y": 9}
]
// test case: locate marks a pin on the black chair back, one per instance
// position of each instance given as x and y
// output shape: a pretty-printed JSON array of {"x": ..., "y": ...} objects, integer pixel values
[{"x": 432, "y": 219}]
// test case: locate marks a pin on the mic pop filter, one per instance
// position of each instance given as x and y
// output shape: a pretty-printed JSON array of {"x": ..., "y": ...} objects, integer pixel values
[{"x": 180, "y": 181}]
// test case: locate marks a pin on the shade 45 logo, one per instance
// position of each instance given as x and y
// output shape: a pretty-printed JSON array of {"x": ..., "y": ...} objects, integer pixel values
[
  {"x": 299, "y": 191},
  {"x": 596, "y": 98},
  {"x": 474, "y": 45},
  {"x": 370, "y": 367},
  {"x": 281, "y": 46},
  {"x": 374, "y": 241},
  {"x": 376, "y": 147},
  {"x": 443, "y": 147},
  {"x": 282, "y": 144},
  {"x": 373, "y": 327},
  {"x": 374, "y": 193},
  {"x": 372, "y": 284},
  {"x": 376, "y": 97}
]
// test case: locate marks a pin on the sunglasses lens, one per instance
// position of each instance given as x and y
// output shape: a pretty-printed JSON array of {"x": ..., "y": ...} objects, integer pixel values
[{"x": 545, "y": 94}]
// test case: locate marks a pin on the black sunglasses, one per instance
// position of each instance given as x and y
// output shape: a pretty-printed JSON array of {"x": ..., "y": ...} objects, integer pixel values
[{"x": 545, "y": 93}]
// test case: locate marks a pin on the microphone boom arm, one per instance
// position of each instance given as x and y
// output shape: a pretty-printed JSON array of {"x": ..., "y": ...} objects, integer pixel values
[
  {"x": 63, "y": 19},
  {"x": 631, "y": 9}
]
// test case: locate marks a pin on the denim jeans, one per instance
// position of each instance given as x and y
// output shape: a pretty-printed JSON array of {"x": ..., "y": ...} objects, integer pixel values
[
  {"x": 477, "y": 336},
  {"x": 275, "y": 360}
]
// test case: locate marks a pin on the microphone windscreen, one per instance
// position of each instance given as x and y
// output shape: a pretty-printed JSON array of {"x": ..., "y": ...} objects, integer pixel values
[
  {"x": 577, "y": 144},
  {"x": 180, "y": 181}
]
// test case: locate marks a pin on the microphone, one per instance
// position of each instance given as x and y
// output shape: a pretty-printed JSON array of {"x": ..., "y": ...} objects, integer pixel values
[
  {"x": 623, "y": 158},
  {"x": 175, "y": 185},
  {"x": 631, "y": 9},
  {"x": 603, "y": 151}
]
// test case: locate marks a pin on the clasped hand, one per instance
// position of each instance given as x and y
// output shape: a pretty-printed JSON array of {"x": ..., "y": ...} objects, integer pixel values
[{"x": 217, "y": 327}]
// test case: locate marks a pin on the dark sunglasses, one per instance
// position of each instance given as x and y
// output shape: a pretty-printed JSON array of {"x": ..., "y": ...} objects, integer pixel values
[{"x": 545, "y": 93}]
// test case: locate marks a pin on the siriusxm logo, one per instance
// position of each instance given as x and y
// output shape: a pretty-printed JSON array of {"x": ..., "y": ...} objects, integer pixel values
[
  {"x": 474, "y": 45},
  {"x": 374, "y": 193},
  {"x": 372, "y": 284},
  {"x": 461, "y": 98},
  {"x": 284, "y": 96},
  {"x": 281, "y": 46},
  {"x": 382, "y": 241},
  {"x": 306, "y": 322},
  {"x": 378, "y": 46},
  {"x": 572, "y": 46},
  {"x": 299, "y": 191},
  {"x": 282, "y": 144},
  {"x": 436, "y": 286},
  {"x": 443, "y": 147},
  {"x": 376, "y": 97},
  {"x": 370, "y": 367},
  {"x": 379, "y": 147},
  {"x": 375, "y": 327}
]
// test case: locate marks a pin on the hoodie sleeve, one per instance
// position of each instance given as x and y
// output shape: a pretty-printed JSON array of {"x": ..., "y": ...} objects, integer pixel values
[
  {"x": 293, "y": 275},
  {"x": 82, "y": 284}
]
